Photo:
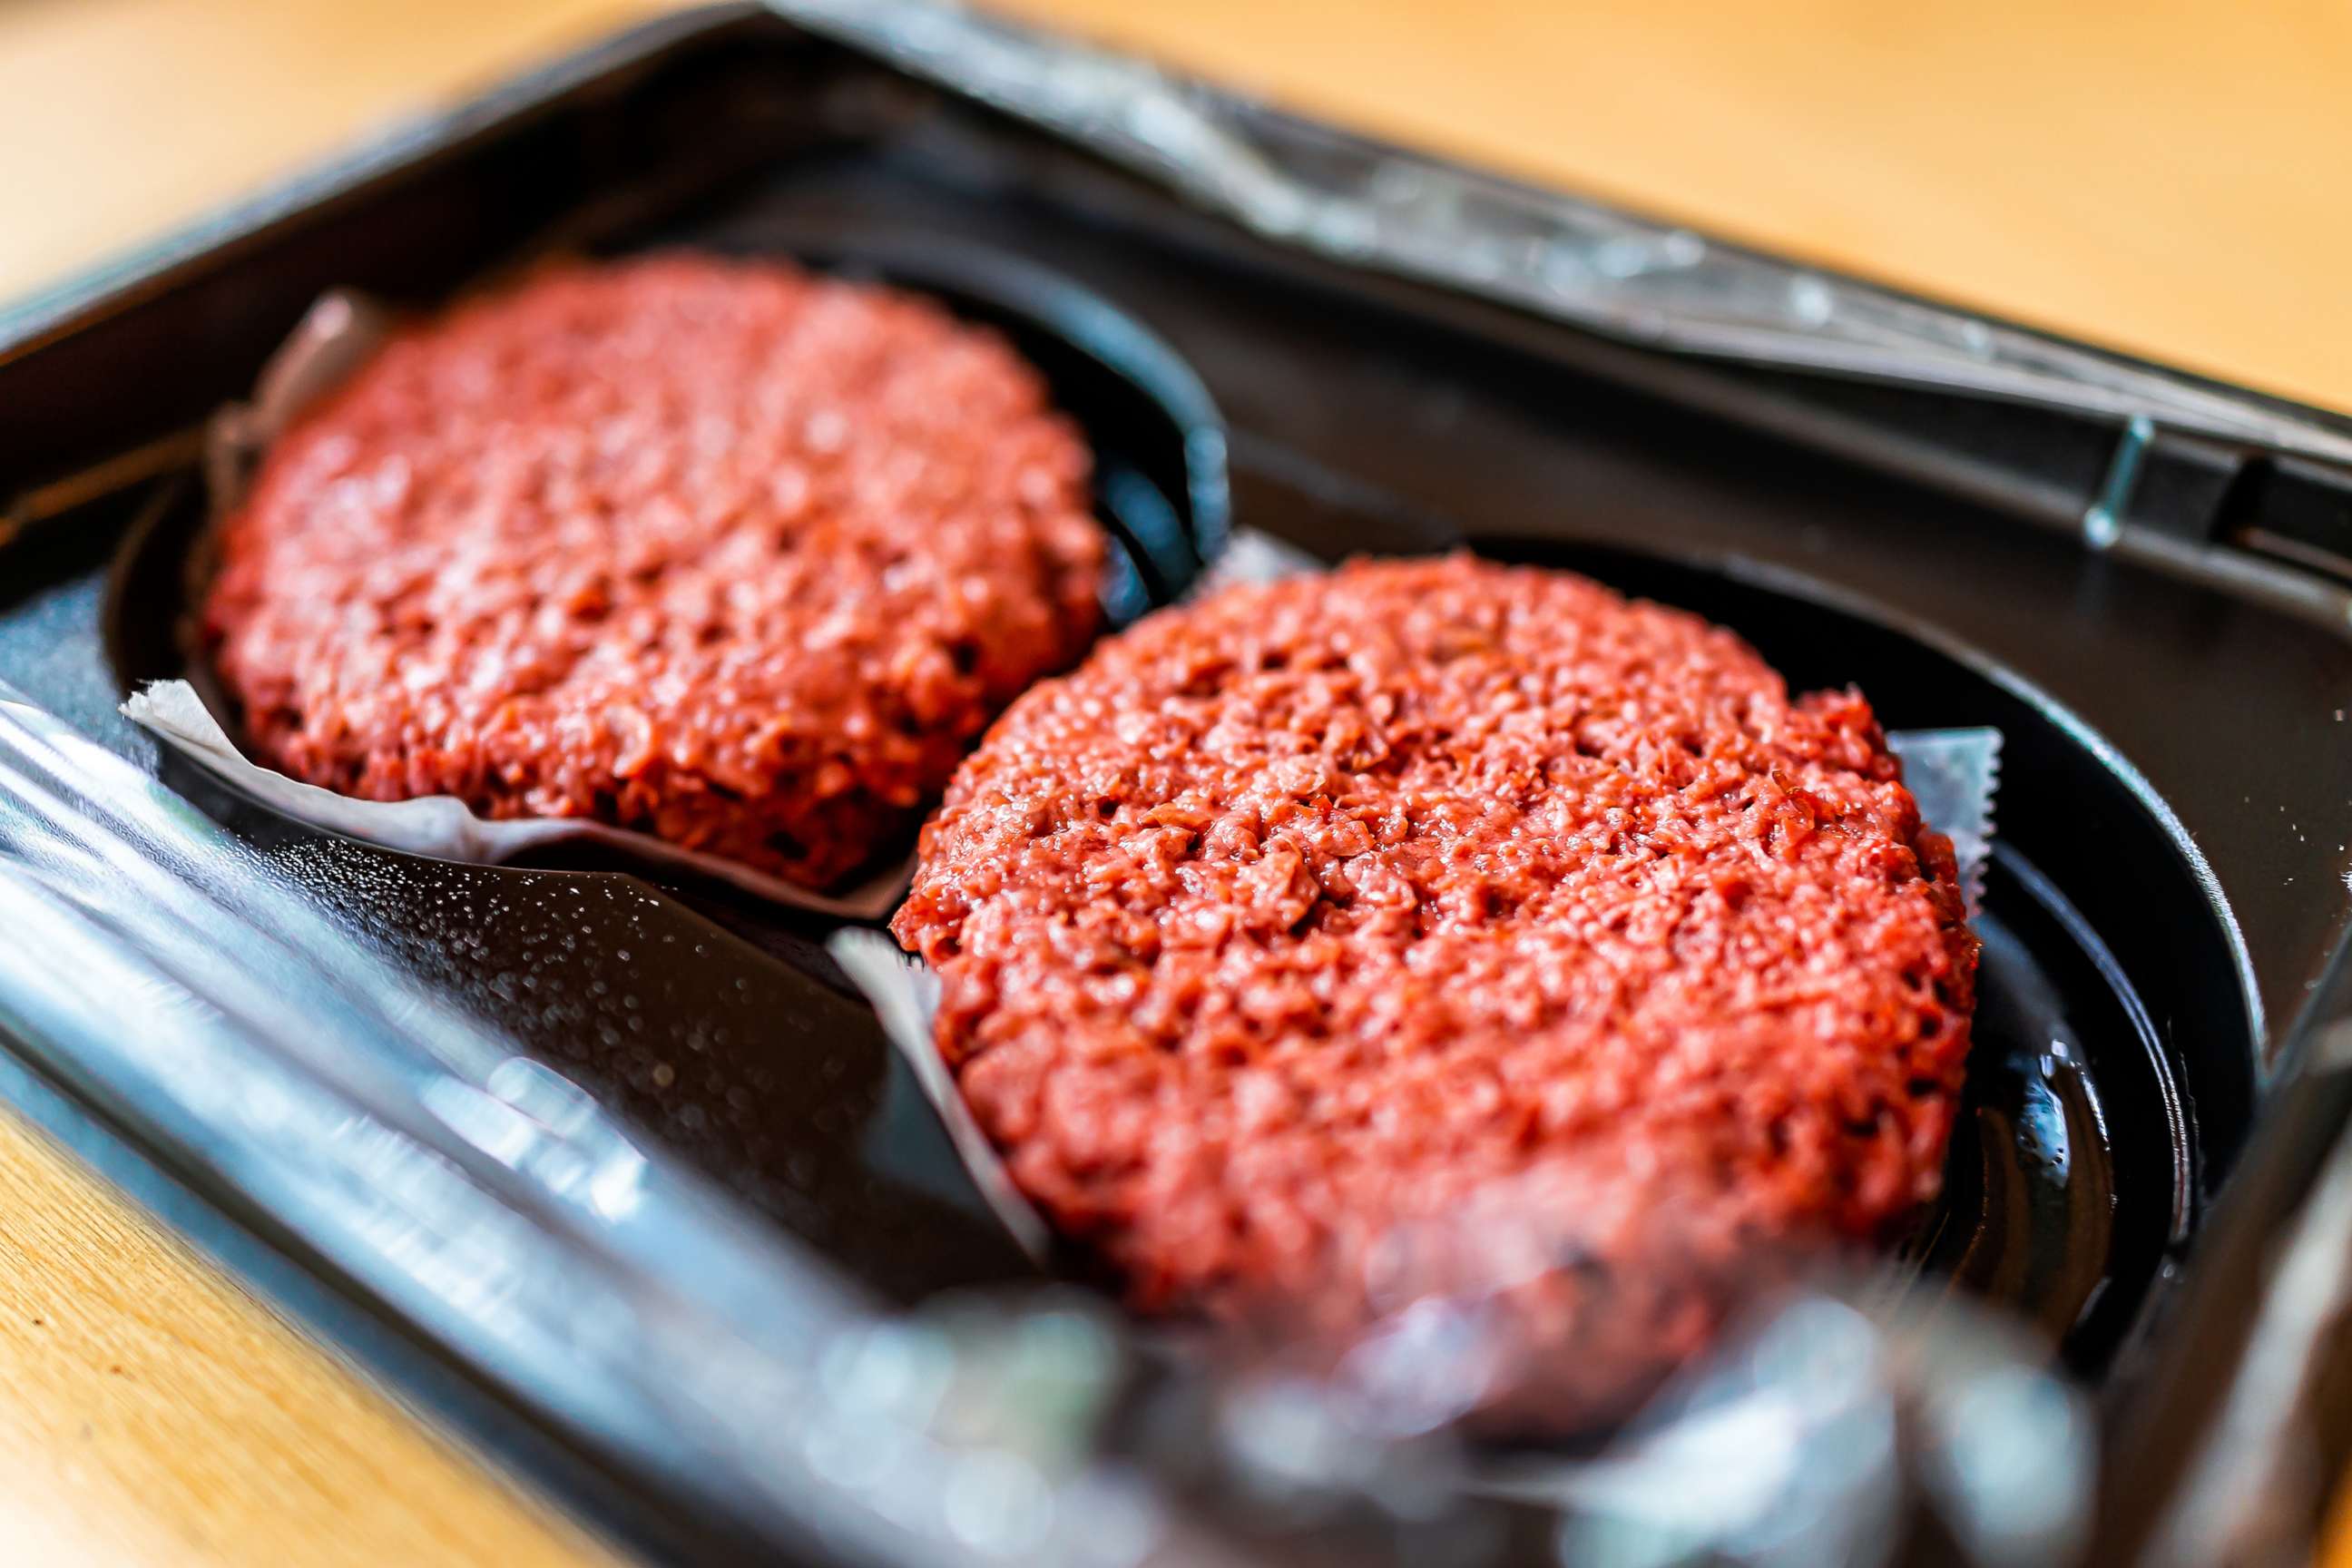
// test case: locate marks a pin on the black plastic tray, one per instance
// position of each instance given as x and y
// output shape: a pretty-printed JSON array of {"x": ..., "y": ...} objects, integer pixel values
[{"x": 2162, "y": 914}]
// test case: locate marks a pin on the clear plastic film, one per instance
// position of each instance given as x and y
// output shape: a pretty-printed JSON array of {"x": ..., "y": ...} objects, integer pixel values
[{"x": 1813, "y": 1433}]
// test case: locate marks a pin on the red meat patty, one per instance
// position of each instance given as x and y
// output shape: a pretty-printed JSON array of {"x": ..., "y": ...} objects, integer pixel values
[
  {"x": 1426, "y": 888},
  {"x": 714, "y": 549}
]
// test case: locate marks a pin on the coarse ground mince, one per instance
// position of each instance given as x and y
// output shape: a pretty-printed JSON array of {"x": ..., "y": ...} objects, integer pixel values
[
  {"x": 712, "y": 549},
  {"x": 1445, "y": 893}
]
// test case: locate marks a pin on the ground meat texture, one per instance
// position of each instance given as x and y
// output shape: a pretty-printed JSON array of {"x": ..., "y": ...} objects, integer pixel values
[
  {"x": 714, "y": 549},
  {"x": 1425, "y": 889}
]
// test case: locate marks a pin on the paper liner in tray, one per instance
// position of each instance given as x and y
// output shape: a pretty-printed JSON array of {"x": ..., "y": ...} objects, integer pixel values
[
  {"x": 445, "y": 826},
  {"x": 330, "y": 342}
]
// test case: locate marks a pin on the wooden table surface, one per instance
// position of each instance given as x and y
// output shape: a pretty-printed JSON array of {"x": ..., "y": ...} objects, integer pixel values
[{"x": 2166, "y": 177}]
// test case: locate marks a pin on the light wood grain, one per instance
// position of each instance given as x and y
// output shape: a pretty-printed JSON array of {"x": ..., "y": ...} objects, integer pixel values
[
  {"x": 2168, "y": 176},
  {"x": 120, "y": 117},
  {"x": 149, "y": 1414}
]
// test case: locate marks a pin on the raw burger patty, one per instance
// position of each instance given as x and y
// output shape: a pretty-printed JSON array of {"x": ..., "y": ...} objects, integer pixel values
[
  {"x": 1426, "y": 888},
  {"x": 714, "y": 549}
]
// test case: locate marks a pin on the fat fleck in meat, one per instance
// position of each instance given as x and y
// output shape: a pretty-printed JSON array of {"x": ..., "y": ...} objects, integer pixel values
[
  {"x": 715, "y": 550},
  {"x": 1350, "y": 902}
]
